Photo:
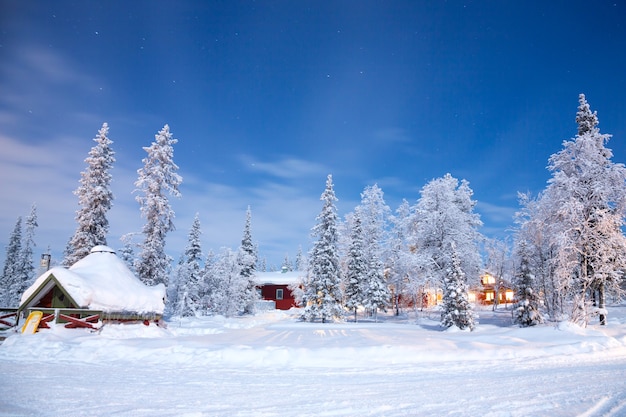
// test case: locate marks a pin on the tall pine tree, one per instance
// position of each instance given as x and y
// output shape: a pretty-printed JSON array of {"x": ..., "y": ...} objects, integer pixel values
[
  {"x": 246, "y": 259},
  {"x": 12, "y": 267},
  {"x": 95, "y": 199},
  {"x": 189, "y": 275},
  {"x": 157, "y": 179},
  {"x": 322, "y": 293},
  {"x": 356, "y": 269}
]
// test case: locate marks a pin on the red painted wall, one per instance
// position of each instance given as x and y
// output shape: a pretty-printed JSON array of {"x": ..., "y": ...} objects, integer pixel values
[{"x": 268, "y": 292}]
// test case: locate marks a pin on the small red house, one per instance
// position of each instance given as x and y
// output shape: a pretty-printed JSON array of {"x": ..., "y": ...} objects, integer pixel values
[{"x": 275, "y": 286}]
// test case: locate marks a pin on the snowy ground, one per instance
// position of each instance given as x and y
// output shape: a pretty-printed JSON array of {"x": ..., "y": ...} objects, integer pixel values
[{"x": 272, "y": 365}]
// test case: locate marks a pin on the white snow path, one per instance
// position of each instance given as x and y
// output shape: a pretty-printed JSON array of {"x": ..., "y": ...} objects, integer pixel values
[
  {"x": 579, "y": 385},
  {"x": 273, "y": 366}
]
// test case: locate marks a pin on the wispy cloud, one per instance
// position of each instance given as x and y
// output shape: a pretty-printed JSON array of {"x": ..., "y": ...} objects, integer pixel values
[{"x": 285, "y": 168}]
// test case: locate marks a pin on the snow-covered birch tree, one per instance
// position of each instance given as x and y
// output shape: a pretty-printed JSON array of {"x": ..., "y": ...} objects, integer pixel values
[
  {"x": 322, "y": 287},
  {"x": 95, "y": 199},
  {"x": 444, "y": 218},
  {"x": 157, "y": 179}
]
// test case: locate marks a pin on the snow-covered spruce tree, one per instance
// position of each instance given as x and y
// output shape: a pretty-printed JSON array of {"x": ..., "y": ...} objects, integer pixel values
[
  {"x": 95, "y": 199},
  {"x": 300, "y": 262},
  {"x": 374, "y": 214},
  {"x": 246, "y": 260},
  {"x": 322, "y": 292},
  {"x": 356, "y": 269},
  {"x": 157, "y": 178},
  {"x": 189, "y": 275},
  {"x": 127, "y": 251},
  {"x": 456, "y": 309},
  {"x": 12, "y": 267},
  {"x": 588, "y": 191},
  {"x": 526, "y": 311},
  {"x": 287, "y": 265},
  {"x": 444, "y": 218},
  {"x": 27, "y": 267}
]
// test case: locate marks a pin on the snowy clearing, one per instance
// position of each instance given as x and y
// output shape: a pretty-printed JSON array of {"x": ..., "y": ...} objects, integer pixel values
[{"x": 273, "y": 365}]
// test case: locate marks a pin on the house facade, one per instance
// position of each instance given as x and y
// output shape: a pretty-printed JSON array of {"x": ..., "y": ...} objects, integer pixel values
[{"x": 276, "y": 286}]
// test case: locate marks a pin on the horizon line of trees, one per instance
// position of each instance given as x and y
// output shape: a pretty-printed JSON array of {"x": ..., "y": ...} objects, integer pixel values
[{"x": 567, "y": 256}]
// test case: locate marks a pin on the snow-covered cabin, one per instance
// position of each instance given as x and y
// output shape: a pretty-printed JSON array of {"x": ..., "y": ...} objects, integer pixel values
[
  {"x": 100, "y": 282},
  {"x": 275, "y": 286}
]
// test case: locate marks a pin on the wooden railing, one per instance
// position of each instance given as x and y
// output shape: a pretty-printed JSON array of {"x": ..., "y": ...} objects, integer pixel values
[
  {"x": 8, "y": 318},
  {"x": 72, "y": 318}
]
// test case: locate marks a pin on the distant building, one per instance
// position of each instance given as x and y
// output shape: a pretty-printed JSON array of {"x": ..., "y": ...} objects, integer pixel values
[{"x": 275, "y": 286}]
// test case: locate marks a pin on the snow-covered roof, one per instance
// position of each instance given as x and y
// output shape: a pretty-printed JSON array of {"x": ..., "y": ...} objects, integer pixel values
[
  {"x": 102, "y": 281},
  {"x": 279, "y": 277}
]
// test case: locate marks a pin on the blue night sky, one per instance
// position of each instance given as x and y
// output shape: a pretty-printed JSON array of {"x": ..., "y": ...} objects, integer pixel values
[{"x": 266, "y": 98}]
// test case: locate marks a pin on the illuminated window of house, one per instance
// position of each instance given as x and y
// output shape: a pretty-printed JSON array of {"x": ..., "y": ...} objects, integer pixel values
[
  {"x": 509, "y": 295},
  {"x": 488, "y": 296},
  {"x": 488, "y": 279},
  {"x": 279, "y": 294}
]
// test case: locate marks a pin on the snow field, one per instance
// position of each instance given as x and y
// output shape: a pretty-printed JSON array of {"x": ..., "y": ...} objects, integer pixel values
[{"x": 273, "y": 365}]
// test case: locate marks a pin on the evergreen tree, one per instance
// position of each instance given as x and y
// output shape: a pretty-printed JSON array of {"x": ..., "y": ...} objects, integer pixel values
[
  {"x": 27, "y": 268},
  {"x": 246, "y": 261},
  {"x": 127, "y": 252},
  {"x": 287, "y": 266},
  {"x": 189, "y": 275},
  {"x": 226, "y": 295},
  {"x": 356, "y": 271},
  {"x": 376, "y": 292},
  {"x": 300, "y": 263},
  {"x": 588, "y": 193},
  {"x": 322, "y": 293},
  {"x": 156, "y": 179},
  {"x": 456, "y": 309},
  {"x": 95, "y": 199},
  {"x": 12, "y": 267},
  {"x": 526, "y": 312}
]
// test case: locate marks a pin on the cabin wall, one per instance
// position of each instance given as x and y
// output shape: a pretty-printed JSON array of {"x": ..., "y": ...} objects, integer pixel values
[{"x": 273, "y": 291}]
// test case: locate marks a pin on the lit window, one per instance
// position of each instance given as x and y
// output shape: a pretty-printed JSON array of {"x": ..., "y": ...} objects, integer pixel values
[
  {"x": 488, "y": 279},
  {"x": 279, "y": 294},
  {"x": 509, "y": 295},
  {"x": 489, "y": 296}
]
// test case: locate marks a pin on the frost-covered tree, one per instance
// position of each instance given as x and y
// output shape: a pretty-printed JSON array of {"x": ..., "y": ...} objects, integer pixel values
[
  {"x": 12, "y": 267},
  {"x": 300, "y": 262},
  {"x": 95, "y": 199},
  {"x": 376, "y": 292},
  {"x": 588, "y": 192},
  {"x": 456, "y": 309},
  {"x": 189, "y": 275},
  {"x": 535, "y": 233},
  {"x": 127, "y": 251},
  {"x": 374, "y": 214},
  {"x": 526, "y": 311},
  {"x": 399, "y": 255},
  {"x": 287, "y": 265},
  {"x": 246, "y": 260},
  {"x": 157, "y": 179},
  {"x": 498, "y": 265},
  {"x": 356, "y": 269},
  {"x": 227, "y": 289},
  {"x": 27, "y": 267},
  {"x": 322, "y": 287},
  {"x": 444, "y": 218}
]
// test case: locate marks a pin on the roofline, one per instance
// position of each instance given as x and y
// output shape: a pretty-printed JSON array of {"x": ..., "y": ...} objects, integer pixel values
[{"x": 51, "y": 279}]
